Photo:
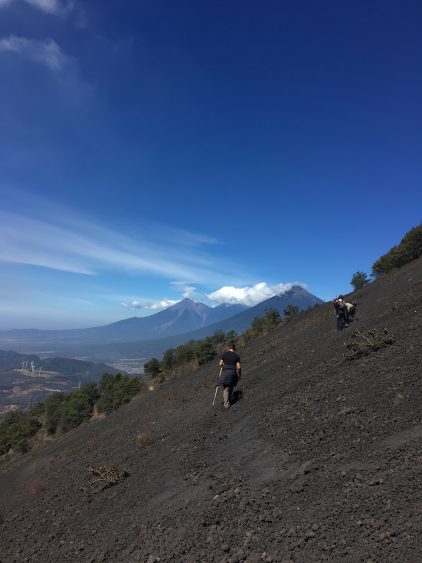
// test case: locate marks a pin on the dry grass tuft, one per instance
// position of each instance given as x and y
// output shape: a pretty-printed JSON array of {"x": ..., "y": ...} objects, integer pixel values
[
  {"x": 144, "y": 439},
  {"x": 107, "y": 476},
  {"x": 363, "y": 344}
]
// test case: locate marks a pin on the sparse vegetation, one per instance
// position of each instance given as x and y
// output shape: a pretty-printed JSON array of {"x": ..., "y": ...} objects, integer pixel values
[
  {"x": 53, "y": 411},
  {"x": 363, "y": 344},
  {"x": 196, "y": 353},
  {"x": 107, "y": 476},
  {"x": 75, "y": 410},
  {"x": 190, "y": 355},
  {"x": 66, "y": 411},
  {"x": 116, "y": 390},
  {"x": 16, "y": 430},
  {"x": 262, "y": 325},
  {"x": 291, "y": 311},
  {"x": 152, "y": 368},
  {"x": 266, "y": 349},
  {"x": 205, "y": 350},
  {"x": 409, "y": 248},
  {"x": 359, "y": 280},
  {"x": 61, "y": 412}
]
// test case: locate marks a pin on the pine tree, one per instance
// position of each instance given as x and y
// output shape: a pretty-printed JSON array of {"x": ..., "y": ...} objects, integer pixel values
[{"x": 359, "y": 279}]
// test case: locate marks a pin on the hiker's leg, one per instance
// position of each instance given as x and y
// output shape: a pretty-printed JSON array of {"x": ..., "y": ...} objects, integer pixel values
[{"x": 227, "y": 391}]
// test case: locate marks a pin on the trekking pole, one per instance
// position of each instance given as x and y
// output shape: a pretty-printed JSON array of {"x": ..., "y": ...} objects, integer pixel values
[{"x": 216, "y": 388}]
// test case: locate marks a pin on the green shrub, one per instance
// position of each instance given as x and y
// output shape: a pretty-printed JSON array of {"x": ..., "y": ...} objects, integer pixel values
[
  {"x": 257, "y": 326},
  {"x": 75, "y": 410},
  {"x": 16, "y": 430},
  {"x": 272, "y": 319},
  {"x": 291, "y": 311},
  {"x": 53, "y": 408},
  {"x": 116, "y": 390},
  {"x": 184, "y": 354},
  {"x": 231, "y": 337},
  {"x": 359, "y": 280},
  {"x": 205, "y": 351},
  {"x": 167, "y": 362},
  {"x": 37, "y": 410},
  {"x": 66, "y": 411},
  {"x": 219, "y": 336},
  {"x": 409, "y": 248},
  {"x": 152, "y": 368},
  {"x": 90, "y": 390}
]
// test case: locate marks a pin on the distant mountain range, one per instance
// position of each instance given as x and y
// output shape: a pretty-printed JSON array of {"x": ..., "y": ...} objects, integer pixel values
[
  {"x": 297, "y": 296},
  {"x": 182, "y": 317},
  {"x": 138, "y": 335}
]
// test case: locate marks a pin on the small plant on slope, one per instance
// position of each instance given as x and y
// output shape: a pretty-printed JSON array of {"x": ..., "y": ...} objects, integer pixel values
[
  {"x": 107, "y": 475},
  {"x": 363, "y": 344}
]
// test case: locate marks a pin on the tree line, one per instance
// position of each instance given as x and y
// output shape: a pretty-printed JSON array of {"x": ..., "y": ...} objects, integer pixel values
[
  {"x": 408, "y": 249},
  {"x": 195, "y": 353},
  {"x": 61, "y": 412}
]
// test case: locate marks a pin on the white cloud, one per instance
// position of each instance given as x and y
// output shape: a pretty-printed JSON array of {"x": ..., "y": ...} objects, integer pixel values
[
  {"x": 50, "y": 235},
  {"x": 49, "y": 6},
  {"x": 187, "y": 291},
  {"x": 47, "y": 52},
  {"x": 161, "y": 304},
  {"x": 55, "y": 7},
  {"x": 249, "y": 295},
  {"x": 134, "y": 304}
]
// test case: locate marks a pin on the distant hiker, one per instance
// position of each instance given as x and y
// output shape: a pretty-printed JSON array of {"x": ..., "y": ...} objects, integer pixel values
[
  {"x": 341, "y": 312},
  {"x": 230, "y": 373}
]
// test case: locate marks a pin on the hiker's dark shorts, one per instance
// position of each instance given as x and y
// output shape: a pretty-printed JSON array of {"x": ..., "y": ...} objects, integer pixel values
[{"x": 228, "y": 379}]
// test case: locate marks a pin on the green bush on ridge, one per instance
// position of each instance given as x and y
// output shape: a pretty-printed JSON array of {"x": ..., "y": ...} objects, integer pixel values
[
  {"x": 116, "y": 390},
  {"x": 53, "y": 411},
  {"x": 262, "y": 325},
  {"x": 359, "y": 280},
  {"x": 62, "y": 412},
  {"x": 409, "y": 248},
  {"x": 15, "y": 431}
]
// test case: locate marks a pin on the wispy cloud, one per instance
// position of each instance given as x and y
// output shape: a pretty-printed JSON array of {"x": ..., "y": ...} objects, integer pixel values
[
  {"x": 187, "y": 291},
  {"x": 134, "y": 304},
  {"x": 51, "y": 6},
  {"x": 249, "y": 295},
  {"x": 47, "y": 52},
  {"x": 55, "y": 7},
  {"x": 60, "y": 239},
  {"x": 148, "y": 304}
]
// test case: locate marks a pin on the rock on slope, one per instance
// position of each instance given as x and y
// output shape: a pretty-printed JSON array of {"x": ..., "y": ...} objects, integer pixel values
[{"x": 320, "y": 460}]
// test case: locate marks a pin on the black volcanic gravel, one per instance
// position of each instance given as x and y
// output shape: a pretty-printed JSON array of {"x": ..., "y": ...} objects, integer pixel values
[{"x": 320, "y": 459}]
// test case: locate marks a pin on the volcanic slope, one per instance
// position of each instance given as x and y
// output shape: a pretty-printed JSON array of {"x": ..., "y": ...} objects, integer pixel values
[{"x": 320, "y": 459}]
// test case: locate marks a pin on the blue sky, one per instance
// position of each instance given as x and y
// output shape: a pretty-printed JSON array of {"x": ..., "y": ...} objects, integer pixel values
[{"x": 159, "y": 149}]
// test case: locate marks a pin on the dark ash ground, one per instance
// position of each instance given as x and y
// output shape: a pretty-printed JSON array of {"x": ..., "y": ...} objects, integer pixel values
[{"x": 320, "y": 460}]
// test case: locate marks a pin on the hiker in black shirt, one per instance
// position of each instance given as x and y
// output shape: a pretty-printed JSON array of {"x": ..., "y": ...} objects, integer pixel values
[
  {"x": 229, "y": 374},
  {"x": 341, "y": 312}
]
